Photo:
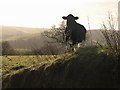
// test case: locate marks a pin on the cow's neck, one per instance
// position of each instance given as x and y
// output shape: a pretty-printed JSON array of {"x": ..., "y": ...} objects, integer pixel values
[{"x": 71, "y": 26}]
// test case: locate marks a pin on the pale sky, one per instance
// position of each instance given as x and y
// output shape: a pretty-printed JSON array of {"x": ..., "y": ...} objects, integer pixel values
[{"x": 46, "y": 13}]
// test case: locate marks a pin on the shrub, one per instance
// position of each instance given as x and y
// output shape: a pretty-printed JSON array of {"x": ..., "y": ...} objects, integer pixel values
[
  {"x": 112, "y": 37},
  {"x": 7, "y": 49}
]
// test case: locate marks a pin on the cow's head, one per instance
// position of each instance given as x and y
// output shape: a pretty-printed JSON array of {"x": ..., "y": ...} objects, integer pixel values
[
  {"x": 70, "y": 21},
  {"x": 70, "y": 17}
]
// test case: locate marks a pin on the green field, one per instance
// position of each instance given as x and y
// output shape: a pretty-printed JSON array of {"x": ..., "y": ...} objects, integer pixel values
[
  {"x": 86, "y": 68},
  {"x": 14, "y": 64}
]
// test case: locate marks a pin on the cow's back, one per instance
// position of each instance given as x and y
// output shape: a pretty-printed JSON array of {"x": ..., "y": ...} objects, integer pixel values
[
  {"x": 79, "y": 33},
  {"x": 82, "y": 31}
]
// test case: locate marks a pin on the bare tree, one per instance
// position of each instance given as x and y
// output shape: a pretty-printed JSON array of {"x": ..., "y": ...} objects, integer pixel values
[
  {"x": 56, "y": 34},
  {"x": 111, "y": 35}
]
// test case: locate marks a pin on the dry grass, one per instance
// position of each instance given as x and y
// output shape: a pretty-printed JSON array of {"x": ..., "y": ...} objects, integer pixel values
[{"x": 111, "y": 36}]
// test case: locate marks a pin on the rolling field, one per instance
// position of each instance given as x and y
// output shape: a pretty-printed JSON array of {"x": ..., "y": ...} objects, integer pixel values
[{"x": 86, "y": 68}]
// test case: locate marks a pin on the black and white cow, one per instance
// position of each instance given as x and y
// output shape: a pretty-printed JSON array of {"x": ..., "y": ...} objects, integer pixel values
[{"x": 75, "y": 32}]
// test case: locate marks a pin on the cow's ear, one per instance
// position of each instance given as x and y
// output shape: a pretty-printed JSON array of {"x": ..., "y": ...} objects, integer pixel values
[
  {"x": 76, "y": 18},
  {"x": 64, "y": 17}
]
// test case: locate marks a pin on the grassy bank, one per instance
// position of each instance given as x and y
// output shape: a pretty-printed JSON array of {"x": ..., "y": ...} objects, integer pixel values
[{"x": 84, "y": 69}]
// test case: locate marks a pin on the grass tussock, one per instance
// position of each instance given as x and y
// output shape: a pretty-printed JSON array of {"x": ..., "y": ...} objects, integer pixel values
[{"x": 84, "y": 69}]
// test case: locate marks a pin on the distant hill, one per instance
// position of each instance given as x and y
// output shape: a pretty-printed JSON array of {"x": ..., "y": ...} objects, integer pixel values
[
  {"x": 13, "y": 33},
  {"x": 32, "y": 41},
  {"x": 95, "y": 35},
  {"x": 22, "y": 37}
]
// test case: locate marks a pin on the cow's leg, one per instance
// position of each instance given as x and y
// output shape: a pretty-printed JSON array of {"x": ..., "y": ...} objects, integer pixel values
[
  {"x": 78, "y": 45},
  {"x": 73, "y": 48},
  {"x": 67, "y": 46},
  {"x": 81, "y": 44}
]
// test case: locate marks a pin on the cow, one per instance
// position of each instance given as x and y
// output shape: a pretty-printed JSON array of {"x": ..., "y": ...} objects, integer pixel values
[{"x": 75, "y": 33}]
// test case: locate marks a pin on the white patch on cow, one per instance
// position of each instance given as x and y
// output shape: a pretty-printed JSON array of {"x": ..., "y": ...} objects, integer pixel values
[
  {"x": 74, "y": 47},
  {"x": 78, "y": 45}
]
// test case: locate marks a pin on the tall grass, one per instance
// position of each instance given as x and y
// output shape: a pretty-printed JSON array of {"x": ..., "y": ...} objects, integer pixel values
[{"x": 111, "y": 36}]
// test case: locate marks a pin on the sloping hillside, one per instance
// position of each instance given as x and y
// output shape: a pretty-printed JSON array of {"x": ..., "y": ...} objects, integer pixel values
[
  {"x": 23, "y": 37},
  {"x": 84, "y": 69},
  {"x": 28, "y": 42},
  {"x": 14, "y": 33}
]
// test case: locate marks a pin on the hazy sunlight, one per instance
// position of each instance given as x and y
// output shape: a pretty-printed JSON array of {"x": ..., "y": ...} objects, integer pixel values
[{"x": 45, "y": 13}]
